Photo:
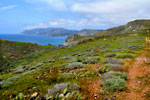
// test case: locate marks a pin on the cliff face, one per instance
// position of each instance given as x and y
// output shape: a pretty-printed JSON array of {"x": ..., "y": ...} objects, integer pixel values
[
  {"x": 70, "y": 40},
  {"x": 129, "y": 28}
]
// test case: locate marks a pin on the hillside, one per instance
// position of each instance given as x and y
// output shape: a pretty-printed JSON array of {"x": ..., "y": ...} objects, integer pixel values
[
  {"x": 87, "y": 32},
  {"x": 104, "y": 66},
  {"x": 129, "y": 28},
  {"x": 50, "y": 32},
  {"x": 11, "y": 51}
]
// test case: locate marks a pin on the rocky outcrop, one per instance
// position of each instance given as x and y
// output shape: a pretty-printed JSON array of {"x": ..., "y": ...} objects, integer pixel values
[{"x": 87, "y": 32}]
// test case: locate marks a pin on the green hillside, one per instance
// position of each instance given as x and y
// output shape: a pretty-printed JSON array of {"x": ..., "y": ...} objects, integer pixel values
[{"x": 61, "y": 73}]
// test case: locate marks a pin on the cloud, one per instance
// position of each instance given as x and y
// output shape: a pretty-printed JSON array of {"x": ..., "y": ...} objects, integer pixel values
[
  {"x": 93, "y": 13},
  {"x": 65, "y": 23},
  {"x": 113, "y": 11},
  {"x": 55, "y": 4},
  {"x": 7, "y": 7}
]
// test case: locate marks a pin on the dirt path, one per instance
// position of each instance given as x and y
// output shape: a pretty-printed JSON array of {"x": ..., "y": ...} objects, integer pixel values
[
  {"x": 137, "y": 88},
  {"x": 92, "y": 87}
]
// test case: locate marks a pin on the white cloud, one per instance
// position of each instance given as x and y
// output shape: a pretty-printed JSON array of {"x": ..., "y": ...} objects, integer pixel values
[
  {"x": 114, "y": 11},
  {"x": 55, "y": 4},
  {"x": 95, "y": 13},
  {"x": 7, "y": 7},
  {"x": 65, "y": 23}
]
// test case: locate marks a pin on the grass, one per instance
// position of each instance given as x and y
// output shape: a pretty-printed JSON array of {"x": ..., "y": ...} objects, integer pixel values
[{"x": 50, "y": 73}]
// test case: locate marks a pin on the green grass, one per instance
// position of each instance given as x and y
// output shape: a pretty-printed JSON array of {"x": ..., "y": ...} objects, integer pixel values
[{"x": 50, "y": 73}]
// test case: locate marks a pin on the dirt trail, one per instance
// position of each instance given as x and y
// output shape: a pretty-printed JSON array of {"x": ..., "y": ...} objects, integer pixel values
[
  {"x": 92, "y": 87},
  {"x": 136, "y": 89}
]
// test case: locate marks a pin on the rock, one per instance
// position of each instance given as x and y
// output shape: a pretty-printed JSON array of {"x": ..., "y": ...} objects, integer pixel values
[
  {"x": 110, "y": 55},
  {"x": 74, "y": 65},
  {"x": 34, "y": 96}
]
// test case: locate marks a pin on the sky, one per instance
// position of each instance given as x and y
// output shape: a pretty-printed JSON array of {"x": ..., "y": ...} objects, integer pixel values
[{"x": 19, "y": 15}]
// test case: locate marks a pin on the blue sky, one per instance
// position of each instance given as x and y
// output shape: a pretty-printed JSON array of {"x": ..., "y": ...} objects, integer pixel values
[{"x": 19, "y": 15}]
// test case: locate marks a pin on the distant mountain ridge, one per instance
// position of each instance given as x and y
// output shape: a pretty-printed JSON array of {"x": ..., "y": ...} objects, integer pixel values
[
  {"x": 50, "y": 32},
  {"x": 59, "y": 32}
]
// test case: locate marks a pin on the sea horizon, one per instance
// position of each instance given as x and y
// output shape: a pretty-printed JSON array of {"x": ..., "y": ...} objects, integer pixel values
[{"x": 38, "y": 39}]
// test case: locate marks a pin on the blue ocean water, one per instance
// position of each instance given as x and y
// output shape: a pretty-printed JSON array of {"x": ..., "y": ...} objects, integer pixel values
[{"x": 41, "y": 40}]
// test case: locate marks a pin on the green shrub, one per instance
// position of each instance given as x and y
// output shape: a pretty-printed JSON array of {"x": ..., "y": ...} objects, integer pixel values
[
  {"x": 20, "y": 96},
  {"x": 110, "y": 55},
  {"x": 125, "y": 56},
  {"x": 1, "y": 57},
  {"x": 91, "y": 60},
  {"x": 114, "y": 67},
  {"x": 114, "y": 84},
  {"x": 103, "y": 69},
  {"x": 74, "y": 65},
  {"x": 66, "y": 76},
  {"x": 112, "y": 74}
]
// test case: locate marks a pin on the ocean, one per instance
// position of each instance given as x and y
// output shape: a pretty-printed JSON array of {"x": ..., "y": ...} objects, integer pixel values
[{"x": 41, "y": 40}]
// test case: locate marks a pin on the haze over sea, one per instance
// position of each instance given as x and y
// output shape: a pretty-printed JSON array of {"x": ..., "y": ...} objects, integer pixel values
[{"x": 41, "y": 40}]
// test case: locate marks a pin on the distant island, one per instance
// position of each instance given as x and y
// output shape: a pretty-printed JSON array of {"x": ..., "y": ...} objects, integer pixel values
[{"x": 59, "y": 32}]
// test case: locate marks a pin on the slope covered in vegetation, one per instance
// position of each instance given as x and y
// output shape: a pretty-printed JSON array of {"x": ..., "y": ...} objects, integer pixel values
[
  {"x": 10, "y": 52},
  {"x": 95, "y": 69}
]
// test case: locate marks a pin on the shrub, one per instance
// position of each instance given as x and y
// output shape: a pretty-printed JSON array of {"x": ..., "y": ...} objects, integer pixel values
[
  {"x": 62, "y": 88},
  {"x": 74, "y": 65},
  {"x": 103, "y": 69},
  {"x": 66, "y": 76},
  {"x": 110, "y": 55},
  {"x": 20, "y": 96},
  {"x": 113, "y": 61},
  {"x": 112, "y": 74},
  {"x": 125, "y": 56},
  {"x": 114, "y": 66},
  {"x": 91, "y": 60},
  {"x": 19, "y": 69},
  {"x": 114, "y": 84}
]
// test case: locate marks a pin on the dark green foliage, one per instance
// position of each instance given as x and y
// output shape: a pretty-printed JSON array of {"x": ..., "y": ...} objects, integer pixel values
[
  {"x": 125, "y": 56},
  {"x": 20, "y": 96},
  {"x": 114, "y": 84},
  {"x": 103, "y": 69}
]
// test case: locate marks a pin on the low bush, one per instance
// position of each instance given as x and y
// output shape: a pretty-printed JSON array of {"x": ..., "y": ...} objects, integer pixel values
[
  {"x": 114, "y": 67},
  {"x": 103, "y": 69},
  {"x": 74, "y": 65},
  {"x": 110, "y": 55},
  {"x": 113, "y": 74},
  {"x": 91, "y": 60},
  {"x": 125, "y": 56},
  {"x": 113, "y": 61},
  {"x": 66, "y": 76},
  {"x": 114, "y": 84}
]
